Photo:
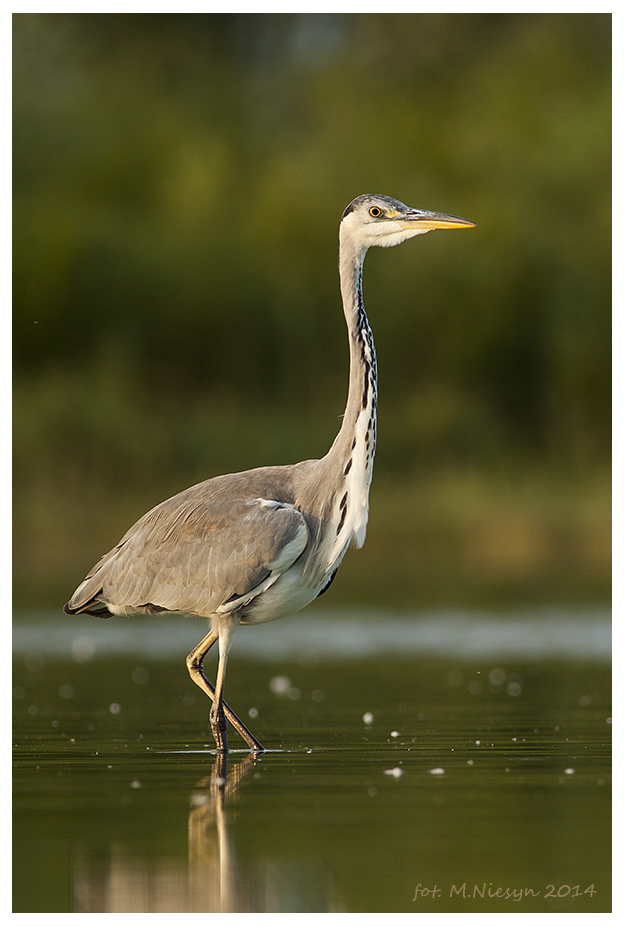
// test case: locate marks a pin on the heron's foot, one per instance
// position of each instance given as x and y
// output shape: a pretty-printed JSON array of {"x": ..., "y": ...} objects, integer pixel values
[{"x": 218, "y": 724}]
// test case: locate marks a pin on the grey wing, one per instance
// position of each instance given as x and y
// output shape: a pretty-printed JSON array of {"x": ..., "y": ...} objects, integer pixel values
[{"x": 195, "y": 555}]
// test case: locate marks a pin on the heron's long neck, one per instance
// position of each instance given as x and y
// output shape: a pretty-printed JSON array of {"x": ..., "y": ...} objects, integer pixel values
[{"x": 353, "y": 451}]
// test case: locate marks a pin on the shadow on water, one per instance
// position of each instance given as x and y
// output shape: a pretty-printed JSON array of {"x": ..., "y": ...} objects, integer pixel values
[{"x": 475, "y": 780}]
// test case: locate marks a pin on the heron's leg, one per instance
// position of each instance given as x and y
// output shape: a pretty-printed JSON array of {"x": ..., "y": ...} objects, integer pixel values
[
  {"x": 195, "y": 666},
  {"x": 218, "y": 721}
]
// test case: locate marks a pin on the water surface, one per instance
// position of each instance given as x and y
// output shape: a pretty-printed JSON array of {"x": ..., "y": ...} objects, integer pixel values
[{"x": 428, "y": 763}]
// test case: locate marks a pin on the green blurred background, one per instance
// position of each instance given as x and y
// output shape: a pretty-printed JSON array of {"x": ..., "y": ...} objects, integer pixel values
[{"x": 179, "y": 179}]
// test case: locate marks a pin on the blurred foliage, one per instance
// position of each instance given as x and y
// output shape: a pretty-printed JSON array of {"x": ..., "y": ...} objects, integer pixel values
[{"x": 178, "y": 182}]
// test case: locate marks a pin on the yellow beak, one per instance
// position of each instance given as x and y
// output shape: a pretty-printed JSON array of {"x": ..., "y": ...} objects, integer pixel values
[{"x": 419, "y": 218}]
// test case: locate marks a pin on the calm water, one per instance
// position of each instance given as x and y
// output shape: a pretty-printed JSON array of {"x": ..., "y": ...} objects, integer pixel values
[{"x": 429, "y": 763}]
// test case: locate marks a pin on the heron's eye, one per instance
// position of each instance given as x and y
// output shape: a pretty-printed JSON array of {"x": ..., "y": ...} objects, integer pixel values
[{"x": 375, "y": 212}]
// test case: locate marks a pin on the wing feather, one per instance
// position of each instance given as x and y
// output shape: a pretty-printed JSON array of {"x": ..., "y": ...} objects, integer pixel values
[{"x": 199, "y": 552}]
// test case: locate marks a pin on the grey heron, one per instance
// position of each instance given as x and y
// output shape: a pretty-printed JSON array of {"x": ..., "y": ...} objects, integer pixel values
[{"x": 251, "y": 547}]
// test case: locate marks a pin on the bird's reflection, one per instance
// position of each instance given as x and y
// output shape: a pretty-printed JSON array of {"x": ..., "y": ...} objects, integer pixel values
[
  {"x": 207, "y": 881},
  {"x": 132, "y": 878},
  {"x": 212, "y": 868}
]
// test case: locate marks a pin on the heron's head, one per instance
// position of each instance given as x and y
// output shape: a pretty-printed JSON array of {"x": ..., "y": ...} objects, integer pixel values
[{"x": 380, "y": 220}]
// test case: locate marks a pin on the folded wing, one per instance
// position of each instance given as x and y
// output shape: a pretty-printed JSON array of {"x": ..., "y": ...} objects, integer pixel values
[{"x": 205, "y": 551}]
